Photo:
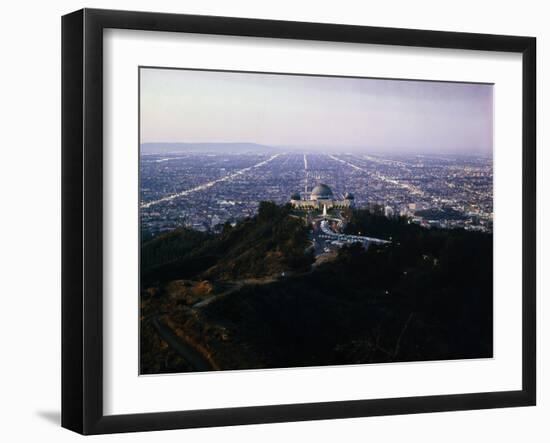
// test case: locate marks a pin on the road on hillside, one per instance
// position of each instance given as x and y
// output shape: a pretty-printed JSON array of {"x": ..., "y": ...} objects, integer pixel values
[{"x": 191, "y": 356}]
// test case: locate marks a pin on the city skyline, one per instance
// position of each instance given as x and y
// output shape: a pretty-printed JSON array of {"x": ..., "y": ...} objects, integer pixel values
[
  {"x": 256, "y": 256},
  {"x": 315, "y": 113},
  {"x": 204, "y": 190}
]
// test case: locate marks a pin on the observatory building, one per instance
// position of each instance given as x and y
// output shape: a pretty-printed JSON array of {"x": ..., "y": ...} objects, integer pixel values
[{"x": 320, "y": 198}]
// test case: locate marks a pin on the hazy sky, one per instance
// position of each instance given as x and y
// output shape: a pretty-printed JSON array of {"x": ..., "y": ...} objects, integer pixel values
[{"x": 338, "y": 113}]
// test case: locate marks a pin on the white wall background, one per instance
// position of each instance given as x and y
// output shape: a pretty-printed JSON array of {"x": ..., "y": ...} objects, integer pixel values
[{"x": 30, "y": 218}]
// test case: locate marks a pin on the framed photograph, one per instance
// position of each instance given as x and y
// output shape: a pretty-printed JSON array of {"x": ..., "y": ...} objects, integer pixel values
[{"x": 269, "y": 221}]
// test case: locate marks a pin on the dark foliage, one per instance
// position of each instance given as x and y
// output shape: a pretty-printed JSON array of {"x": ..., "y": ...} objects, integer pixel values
[
  {"x": 428, "y": 295},
  {"x": 170, "y": 256},
  {"x": 438, "y": 214},
  {"x": 264, "y": 245}
]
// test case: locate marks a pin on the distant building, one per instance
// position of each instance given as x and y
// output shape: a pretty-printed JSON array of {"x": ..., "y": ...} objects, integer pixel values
[
  {"x": 215, "y": 221},
  {"x": 321, "y": 198}
]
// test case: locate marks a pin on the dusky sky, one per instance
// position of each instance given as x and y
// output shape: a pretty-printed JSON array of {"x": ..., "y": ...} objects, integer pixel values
[{"x": 335, "y": 113}]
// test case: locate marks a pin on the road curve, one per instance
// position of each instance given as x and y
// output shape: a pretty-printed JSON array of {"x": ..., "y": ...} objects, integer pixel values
[{"x": 191, "y": 356}]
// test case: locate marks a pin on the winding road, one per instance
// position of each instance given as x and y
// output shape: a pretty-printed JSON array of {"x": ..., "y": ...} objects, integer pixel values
[{"x": 191, "y": 356}]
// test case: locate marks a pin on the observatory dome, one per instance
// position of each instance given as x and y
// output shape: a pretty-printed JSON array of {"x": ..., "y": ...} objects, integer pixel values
[{"x": 321, "y": 191}]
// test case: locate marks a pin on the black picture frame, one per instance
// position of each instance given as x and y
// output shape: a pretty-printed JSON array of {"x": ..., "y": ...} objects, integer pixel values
[{"x": 82, "y": 218}]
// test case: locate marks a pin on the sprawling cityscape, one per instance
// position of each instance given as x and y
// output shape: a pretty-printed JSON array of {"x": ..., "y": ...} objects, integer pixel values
[
  {"x": 292, "y": 221},
  {"x": 204, "y": 190}
]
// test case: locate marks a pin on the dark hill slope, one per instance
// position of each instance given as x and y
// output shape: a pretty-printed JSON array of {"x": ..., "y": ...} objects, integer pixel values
[
  {"x": 429, "y": 300},
  {"x": 264, "y": 245},
  {"x": 427, "y": 296}
]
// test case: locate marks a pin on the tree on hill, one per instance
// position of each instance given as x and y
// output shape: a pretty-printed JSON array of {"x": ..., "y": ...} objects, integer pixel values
[{"x": 267, "y": 244}]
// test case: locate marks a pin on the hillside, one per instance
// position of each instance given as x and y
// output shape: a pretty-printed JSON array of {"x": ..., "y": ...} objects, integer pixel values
[
  {"x": 426, "y": 296},
  {"x": 267, "y": 244}
]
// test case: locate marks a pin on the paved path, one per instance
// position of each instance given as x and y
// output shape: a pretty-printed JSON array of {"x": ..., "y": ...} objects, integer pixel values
[
  {"x": 236, "y": 286},
  {"x": 191, "y": 356}
]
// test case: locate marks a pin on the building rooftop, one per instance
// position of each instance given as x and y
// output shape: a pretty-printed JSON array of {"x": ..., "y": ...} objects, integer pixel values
[{"x": 321, "y": 191}]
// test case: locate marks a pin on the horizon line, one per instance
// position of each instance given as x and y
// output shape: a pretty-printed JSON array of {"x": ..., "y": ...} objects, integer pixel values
[{"x": 326, "y": 147}]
